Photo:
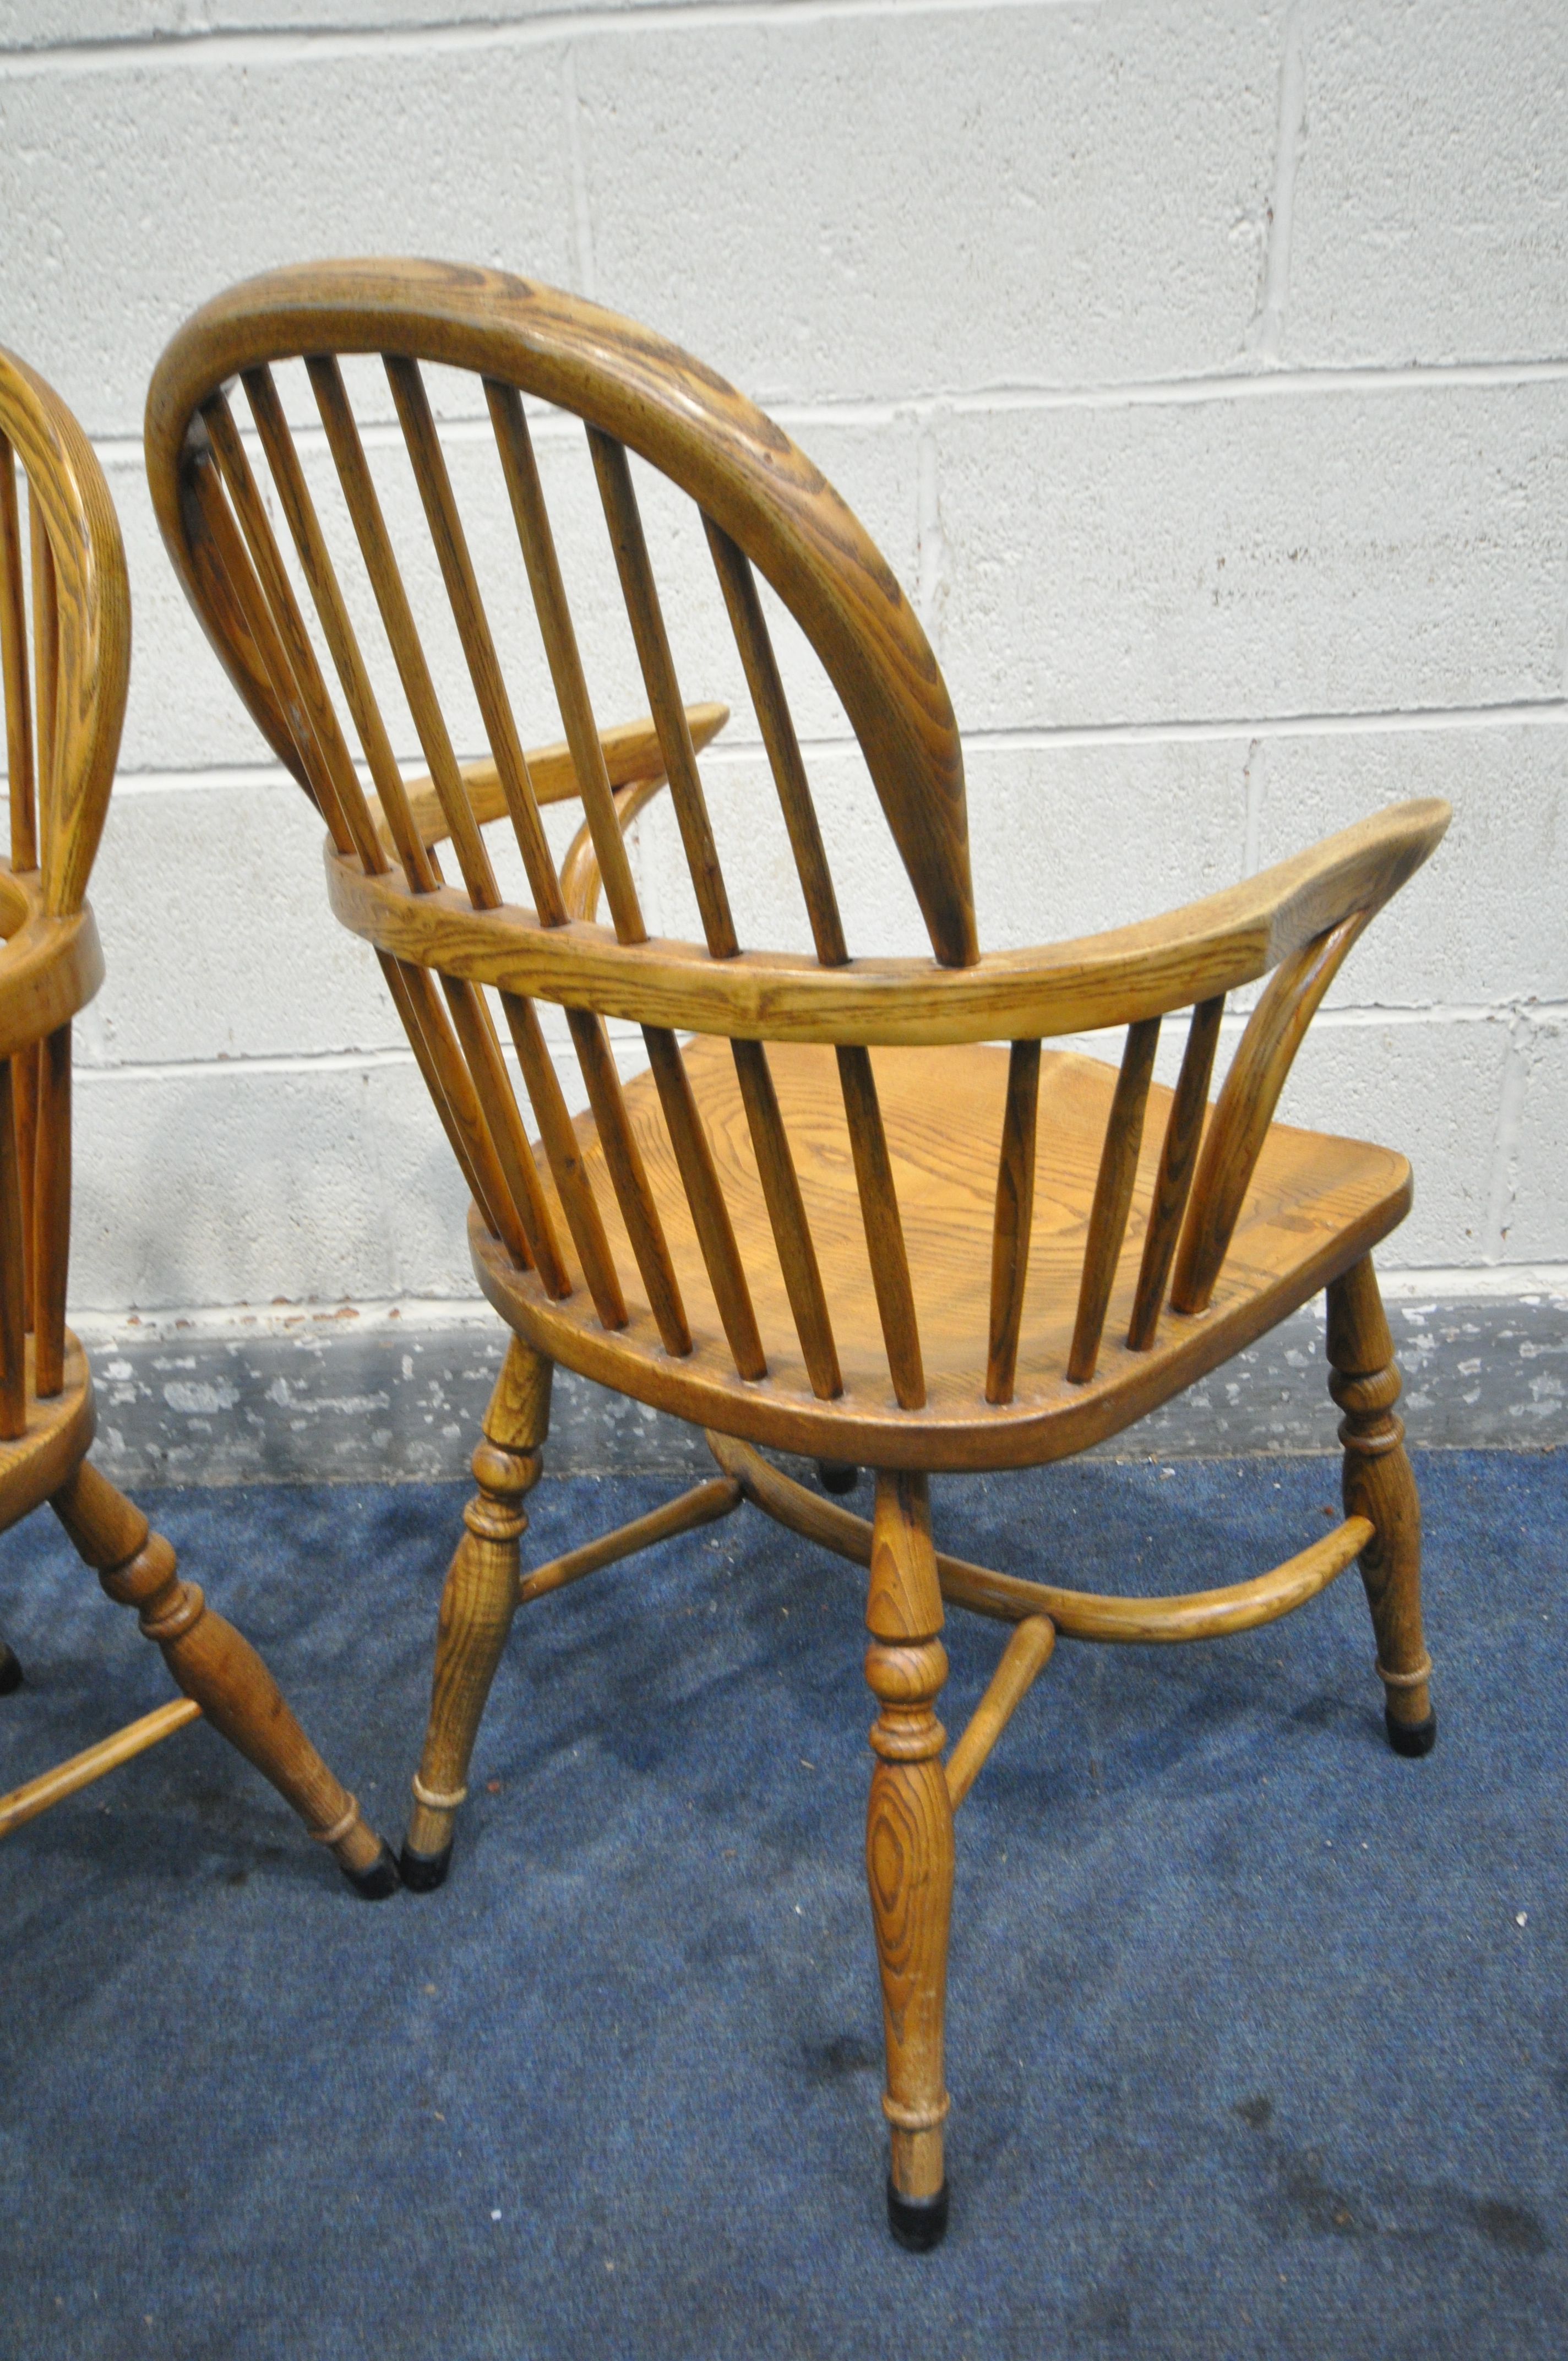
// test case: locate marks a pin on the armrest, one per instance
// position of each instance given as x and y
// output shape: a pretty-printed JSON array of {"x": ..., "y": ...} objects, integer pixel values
[
  {"x": 632, "y": 758},
  {"x": 1192, "y": 954}
]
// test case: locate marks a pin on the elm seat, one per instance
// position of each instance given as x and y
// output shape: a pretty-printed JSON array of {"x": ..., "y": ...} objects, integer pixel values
[
  {"x": 835, "y": 1221},
  {"x": 1312, "y": 1198}
]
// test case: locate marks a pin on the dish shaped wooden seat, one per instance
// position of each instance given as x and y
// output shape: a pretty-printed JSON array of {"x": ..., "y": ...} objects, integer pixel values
[
  {"x": 942, "y": 1111},
  {"x": 837, "y": 1221},
  {"x": 64, "y": 660}
]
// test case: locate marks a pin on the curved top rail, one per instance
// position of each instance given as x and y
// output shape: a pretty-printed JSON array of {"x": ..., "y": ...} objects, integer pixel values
[
  {"x": 743, "y": 469},
  {"x": 1210, "y": 947},
  {"x": 94, "y": 625}
]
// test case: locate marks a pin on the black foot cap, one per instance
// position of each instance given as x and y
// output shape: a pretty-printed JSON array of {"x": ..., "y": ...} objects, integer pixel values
[
  {"x": 918, "y": 2223},
  {"x": 1413, "y": 1738},
  {"x": 375, "y": 1883},
  {"x": 423, "y": 1871},
  {"x": 10, "y": 1671},
  {"x": 837, "y": 1474}
]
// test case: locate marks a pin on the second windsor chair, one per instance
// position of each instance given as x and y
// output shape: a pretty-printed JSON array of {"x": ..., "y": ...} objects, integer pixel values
[
  {"x": 63, "y": 735},
  {"x": 835, "y": 1222}
]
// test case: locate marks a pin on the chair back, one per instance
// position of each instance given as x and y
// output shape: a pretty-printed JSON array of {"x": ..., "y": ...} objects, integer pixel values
[
  {"x": 764, "y": 510},
  {"x": 64, "y": 664}
]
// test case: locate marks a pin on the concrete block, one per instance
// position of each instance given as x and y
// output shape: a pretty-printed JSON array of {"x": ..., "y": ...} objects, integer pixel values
[
  {"x": 134, "y": 192},
  {"x": 1331, "y": 554},
  {"x": 1429, "y": 1088},
  {"x": 1531, "y": 1197},
  {"x": 217, "y": 936},
  {"x": 873, "y": 204},
  {"x": 1429, "y": 220},
  {"x": 230, "y": 1188},
  {"x": 1487, "y": 920}
]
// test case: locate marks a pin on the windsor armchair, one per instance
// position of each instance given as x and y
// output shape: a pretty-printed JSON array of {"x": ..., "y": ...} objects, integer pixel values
[
  {"x": 62, "y": 734},
  {"x": 834, "y": 1222}
]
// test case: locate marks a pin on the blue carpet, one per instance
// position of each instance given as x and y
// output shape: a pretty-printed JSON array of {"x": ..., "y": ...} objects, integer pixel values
[{"x": 1257, "y": 2036}]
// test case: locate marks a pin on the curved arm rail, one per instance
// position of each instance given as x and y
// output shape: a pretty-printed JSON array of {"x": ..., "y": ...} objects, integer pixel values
[
  {"x": 632, "y": 758},
  {"x": 1119, "y": 977}
]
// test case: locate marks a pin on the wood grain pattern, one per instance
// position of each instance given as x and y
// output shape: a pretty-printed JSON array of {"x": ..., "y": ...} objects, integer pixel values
[
  {"x": 1178, "y": 1163},
  {"x": 775, "y": 721},
  {"x": 627, "y": 1173},
  {"x": 567, "y": 1170},
  {"x": 210, "y": 1662},
  {"x": 397, "y": 618},
  {"x": 883, "y": 1226},
  {"x": 1013, "y": 1219},
  {"x": 909, "y": 1827},
  {"x": 62, "y": 771},
  {"x": 1077, "y": 1614},
  {"x": 1027, "y": 1655},
  {"x": 635, "y": 569},
  {"x": 710, "y": 1221},
  {"x": 14, "y": 673},
  {"x": 1318, "y": 1204},
  {"x": 1123, "y": 976},
  {"x": 480, "y": 1597},
  {"x": 905, "y": 1256},
  {"x": 1112, "y": 1197},
  {"x": 1275, "y": 1031},
  {"x": 703, "y": 1505},
  {"x": 538, "y": 544},
  {"x": 629, "y": 751},
  {"x": 1379, "y": 1485},
  {"x": 670, "y": 409},
  {"x": 13, "y": 1271},
  {"x": 474, "y": 631},
  {"x": 388, "y": 815},
  {"x": 51, "y": 1787},
  {"x": 51, "y": 1211}
]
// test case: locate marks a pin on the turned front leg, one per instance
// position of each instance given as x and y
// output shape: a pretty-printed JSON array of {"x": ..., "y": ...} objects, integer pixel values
[
  {"x": 909, "y": 1850},
  {"x": 477, "y": 1608},
  {"x": 218, "y": 1667},
  {"x": 1380, "y": 1484}
]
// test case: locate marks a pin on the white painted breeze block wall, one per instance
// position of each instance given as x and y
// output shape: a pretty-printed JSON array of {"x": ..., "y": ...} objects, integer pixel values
[{"x": 1201, "y": 369}]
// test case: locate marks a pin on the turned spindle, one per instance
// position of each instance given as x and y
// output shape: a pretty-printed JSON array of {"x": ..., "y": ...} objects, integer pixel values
[
  {"x": 477, "y": 1608},
  {"x": 1380, "y": 1485},
  {"x": 219, "y": 1669},
  {"x": 909, "y": 1850}
]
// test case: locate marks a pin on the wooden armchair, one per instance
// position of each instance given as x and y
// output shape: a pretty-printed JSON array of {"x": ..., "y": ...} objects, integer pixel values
[
  {"x": 62, "y": 734},
  {"x": 833, "y": 1223}
]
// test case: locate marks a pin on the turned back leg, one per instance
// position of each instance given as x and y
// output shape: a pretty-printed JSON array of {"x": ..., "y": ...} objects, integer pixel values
[
  {"x": 1380, "y": 1484},
  {"x": 215, "y": 1664},
  {"x": 477, "y": 1608},
  {"x": 909, "y": 1850}
]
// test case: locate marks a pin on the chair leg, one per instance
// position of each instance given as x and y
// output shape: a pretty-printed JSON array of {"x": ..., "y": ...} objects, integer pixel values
[
  {"x": 217, "y": 1667},
  {"x": 477, "y": 1608},
  {"x": 909, "y": 1850},
  {"x": 1380, "y": 1484}
]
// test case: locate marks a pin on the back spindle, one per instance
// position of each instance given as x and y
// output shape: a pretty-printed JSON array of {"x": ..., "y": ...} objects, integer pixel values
[
  {"x": 1178, "y": 1160},
  {"x": 13, "y": 1281},
  {"x": 1014, "y": 1219},
  {"x": 1112, "y": 1196},
  {"x": 13, "y": 672},
  {"x": 51, "y": 1211},
  {"x": 46, "y": 664}
]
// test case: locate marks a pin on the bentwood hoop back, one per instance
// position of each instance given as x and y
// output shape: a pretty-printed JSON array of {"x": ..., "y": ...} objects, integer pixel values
[
  {"x": 836, "y": 1221},
  {"x": 64, "y": 664}
]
